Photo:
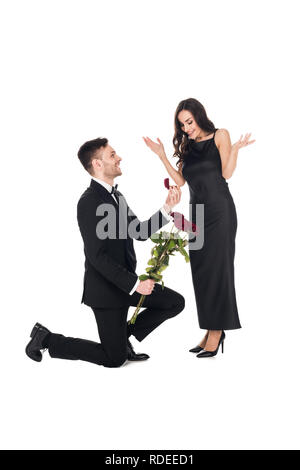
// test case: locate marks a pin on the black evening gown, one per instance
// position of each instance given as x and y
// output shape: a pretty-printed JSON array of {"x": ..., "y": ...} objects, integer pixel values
[{"x": 212, "y": 266}]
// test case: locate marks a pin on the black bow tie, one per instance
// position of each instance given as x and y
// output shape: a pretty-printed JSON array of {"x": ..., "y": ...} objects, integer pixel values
[{"x": 114, "y": 189}]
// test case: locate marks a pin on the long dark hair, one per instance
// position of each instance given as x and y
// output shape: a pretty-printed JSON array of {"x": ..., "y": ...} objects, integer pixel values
[{"x": 180, "y": 139}]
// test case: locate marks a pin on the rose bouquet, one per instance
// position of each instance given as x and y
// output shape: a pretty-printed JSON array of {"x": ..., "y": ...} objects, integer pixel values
[{"x": 166, "y": 244}]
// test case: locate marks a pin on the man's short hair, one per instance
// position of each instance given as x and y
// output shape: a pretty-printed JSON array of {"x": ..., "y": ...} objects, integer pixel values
[{"x": 87, "y": 151}]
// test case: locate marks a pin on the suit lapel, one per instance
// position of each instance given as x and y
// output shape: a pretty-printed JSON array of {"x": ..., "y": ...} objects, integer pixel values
[
  {"x": 121, "y": 208},
  {"x": 103, "y": 193}
]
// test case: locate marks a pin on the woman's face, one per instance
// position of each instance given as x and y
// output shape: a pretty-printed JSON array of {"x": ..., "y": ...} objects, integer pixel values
[{"x": 188, "y": 124}]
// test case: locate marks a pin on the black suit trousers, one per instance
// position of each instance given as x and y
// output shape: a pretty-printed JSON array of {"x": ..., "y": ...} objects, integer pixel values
[{"x": 113, "y": 329}]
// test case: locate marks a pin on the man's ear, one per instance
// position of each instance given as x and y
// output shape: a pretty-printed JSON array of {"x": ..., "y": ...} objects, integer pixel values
[{"x": 96, "y": 164}]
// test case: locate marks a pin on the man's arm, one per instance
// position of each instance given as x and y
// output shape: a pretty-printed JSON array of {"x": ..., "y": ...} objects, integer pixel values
[
  {"x": 165, "y": 210},
  {"x": 134, "y": 287},
  {"x": 95, "y": 249},
  {"x": 143, "y": 230}
]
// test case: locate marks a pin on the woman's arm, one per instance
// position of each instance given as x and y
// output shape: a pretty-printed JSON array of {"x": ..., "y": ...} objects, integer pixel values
[
  {"x": 228, "y": 152},
  {"x": 176, "y": 175},
  {"x": 228, "y": 158}
]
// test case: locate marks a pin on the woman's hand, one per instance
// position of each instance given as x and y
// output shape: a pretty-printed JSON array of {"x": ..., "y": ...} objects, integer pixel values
[
  {"x": 160, "y": 151},
  {"x": 156, "y": 148},
  {"x": 242, "y": 142}
]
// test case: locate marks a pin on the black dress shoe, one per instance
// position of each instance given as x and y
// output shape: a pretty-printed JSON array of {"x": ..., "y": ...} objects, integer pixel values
[
  {"x": 205, "y": 353},
  {"x": 33, "y": 348},
  {"x": 133, "y": 356}
]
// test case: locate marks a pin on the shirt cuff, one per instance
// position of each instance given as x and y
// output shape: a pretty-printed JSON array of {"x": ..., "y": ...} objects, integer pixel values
[
  {"x": 134, "y": 287},
  {"x": 165, "y": 214}
]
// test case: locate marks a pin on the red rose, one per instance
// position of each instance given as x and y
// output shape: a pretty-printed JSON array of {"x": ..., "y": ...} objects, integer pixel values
[{"x": 182, "y": 224}]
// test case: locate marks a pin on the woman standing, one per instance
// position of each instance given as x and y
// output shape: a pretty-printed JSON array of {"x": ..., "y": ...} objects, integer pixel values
[{"x": 206, "y": 160}]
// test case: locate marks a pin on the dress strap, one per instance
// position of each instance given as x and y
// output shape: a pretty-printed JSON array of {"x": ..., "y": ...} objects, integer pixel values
[{"x": 215, "y": 132}]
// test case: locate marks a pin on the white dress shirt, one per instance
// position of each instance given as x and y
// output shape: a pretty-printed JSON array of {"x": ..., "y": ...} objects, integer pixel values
[{"x": 162, "y": 210}]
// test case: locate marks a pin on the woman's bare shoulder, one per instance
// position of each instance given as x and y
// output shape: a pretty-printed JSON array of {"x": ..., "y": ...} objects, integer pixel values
[
  {"x": 222, "y": 132},
  {"x": 222, "y": 136}
]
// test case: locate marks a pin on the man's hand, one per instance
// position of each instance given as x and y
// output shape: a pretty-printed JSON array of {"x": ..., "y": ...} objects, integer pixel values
[
  {"x": 173, "y": 198},
  {"x": 145, "y": 287}
]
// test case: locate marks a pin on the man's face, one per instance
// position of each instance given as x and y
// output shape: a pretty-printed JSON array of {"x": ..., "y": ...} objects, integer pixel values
[{"x": 110, "y": 162}]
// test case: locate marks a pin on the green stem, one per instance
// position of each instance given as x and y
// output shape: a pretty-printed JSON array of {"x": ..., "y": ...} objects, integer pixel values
[
  {"x": 138, "y": 307},
  {"x": 163, "y": 254}
]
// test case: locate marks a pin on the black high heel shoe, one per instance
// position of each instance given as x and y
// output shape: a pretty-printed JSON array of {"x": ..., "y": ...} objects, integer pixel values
[
  {"x": 205, "y": 353},
  {"x": 197, "y": 349}
]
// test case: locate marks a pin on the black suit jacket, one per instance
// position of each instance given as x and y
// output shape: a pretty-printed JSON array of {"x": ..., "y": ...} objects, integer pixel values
[{"x": 109, "y": 263}]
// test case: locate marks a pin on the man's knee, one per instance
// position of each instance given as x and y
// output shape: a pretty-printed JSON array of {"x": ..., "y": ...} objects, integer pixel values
[
  {"x": 116, "y": 360},
  {"x": 179, "y": 304}
]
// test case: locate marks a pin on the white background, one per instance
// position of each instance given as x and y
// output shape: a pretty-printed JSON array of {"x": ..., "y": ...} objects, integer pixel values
[{"x": 76, "y": 70}]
